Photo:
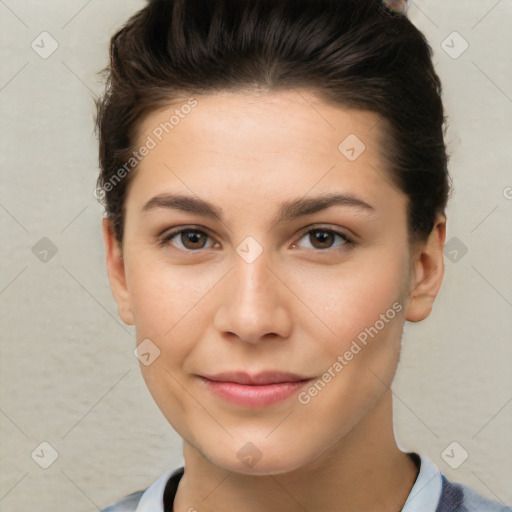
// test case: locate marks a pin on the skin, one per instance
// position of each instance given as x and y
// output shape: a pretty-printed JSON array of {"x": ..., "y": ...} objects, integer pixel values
[{"x": 296, "y": 308}]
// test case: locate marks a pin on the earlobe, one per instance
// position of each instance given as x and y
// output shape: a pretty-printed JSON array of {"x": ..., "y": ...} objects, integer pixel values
[
  {"x": 116, "y": 272},
  {"x": 427, "y": 273}
]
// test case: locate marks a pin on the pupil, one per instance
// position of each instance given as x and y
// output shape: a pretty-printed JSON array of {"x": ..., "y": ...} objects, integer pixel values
[
  {"x": 192, "y": 237},
  {"x": 323, "y": 237}
]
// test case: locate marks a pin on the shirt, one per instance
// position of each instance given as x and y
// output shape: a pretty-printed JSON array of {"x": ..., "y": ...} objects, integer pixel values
[{"x": 431, "y": 492}]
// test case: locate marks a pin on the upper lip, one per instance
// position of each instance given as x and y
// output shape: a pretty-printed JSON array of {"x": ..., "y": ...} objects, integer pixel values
[{"x": 258, "y": 379}]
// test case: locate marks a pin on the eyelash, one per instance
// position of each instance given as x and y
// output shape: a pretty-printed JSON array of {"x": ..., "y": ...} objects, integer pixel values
[{"x": 167, "y": 240}]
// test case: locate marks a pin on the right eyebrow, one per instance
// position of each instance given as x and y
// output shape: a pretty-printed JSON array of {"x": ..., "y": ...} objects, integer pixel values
[{"x": 184, "y": 203}]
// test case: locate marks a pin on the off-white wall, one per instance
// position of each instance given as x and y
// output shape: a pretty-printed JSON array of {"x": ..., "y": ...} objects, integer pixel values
[{"x": 68, "y": 374}]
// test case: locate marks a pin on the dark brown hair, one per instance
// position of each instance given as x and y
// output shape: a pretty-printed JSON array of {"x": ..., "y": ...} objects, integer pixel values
[{"x": 351, "y": 53}]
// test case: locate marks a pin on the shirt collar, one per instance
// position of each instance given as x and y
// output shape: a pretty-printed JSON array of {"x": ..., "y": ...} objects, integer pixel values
[
  {"x": 424, "y": 495},
  {"x": 426, "y": 491},
  {"x": 153, "y": 498}
]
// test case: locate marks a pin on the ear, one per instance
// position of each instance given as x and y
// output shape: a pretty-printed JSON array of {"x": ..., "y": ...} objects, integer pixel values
[
  {"x": 427, "y": 272},
  {"x": 116, "y": 272}
]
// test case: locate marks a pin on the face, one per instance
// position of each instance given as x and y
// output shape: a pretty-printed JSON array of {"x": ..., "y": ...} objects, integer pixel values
[{"x": 255, "y": 243}]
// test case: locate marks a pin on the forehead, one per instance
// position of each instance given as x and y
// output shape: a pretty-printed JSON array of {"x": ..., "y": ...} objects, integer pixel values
[
  {"x": 260, "y": 146},
  {"x": 291, "y": 121}
]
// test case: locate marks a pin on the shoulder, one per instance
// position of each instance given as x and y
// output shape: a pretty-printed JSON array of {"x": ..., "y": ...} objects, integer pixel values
[
  {"x": 127, "y": 504},
  {"x": 461, "y": 498}
]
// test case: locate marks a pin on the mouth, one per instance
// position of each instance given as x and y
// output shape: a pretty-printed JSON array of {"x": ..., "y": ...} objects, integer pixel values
[{"x": 260, "y": 390}]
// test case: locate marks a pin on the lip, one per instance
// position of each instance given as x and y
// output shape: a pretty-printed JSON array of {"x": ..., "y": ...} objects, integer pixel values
[
  {"x": 260, "y": 390},
  {"x": 258, "y": 379}
]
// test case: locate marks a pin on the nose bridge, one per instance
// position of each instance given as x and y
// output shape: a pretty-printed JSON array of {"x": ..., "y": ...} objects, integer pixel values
[
  {"x": 255, "y": 283},
  {"x": 252, "y": 304}
]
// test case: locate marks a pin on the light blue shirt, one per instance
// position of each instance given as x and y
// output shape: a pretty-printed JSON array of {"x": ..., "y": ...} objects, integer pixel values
[{"x": 431, "y": 492}]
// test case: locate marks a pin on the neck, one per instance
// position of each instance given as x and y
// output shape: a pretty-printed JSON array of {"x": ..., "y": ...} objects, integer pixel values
[{"x": 364, "y": 471}]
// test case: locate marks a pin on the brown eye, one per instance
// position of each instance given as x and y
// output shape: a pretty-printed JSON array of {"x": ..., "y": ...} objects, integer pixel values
[
  {"x": 324, "y": 239},
  {"x": 188, "y": 239},
  {"x": 321, "y": 239},
  {"x": 192, "y": 239}
]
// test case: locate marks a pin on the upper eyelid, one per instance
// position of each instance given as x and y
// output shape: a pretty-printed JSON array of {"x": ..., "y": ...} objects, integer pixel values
[
  {"x": 172, "y": 232},
  {"x": 315, "y": 227}
]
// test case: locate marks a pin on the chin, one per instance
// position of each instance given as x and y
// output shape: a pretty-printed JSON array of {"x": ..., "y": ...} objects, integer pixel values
[{"x": 263, "y": 461}]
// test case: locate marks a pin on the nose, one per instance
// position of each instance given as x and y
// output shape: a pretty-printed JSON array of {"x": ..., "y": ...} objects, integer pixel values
[{"x": 253, "y": 303}]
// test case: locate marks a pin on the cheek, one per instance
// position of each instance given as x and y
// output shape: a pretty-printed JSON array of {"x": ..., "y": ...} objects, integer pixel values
[
  {"x": 365, "y": 309},
  {"x": 166, "y": 299},
  {"x": 352, "y": 298},
  {"x": 172, "y": 302}
]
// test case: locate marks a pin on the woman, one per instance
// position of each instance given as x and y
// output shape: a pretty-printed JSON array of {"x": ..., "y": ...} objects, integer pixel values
[{"x": 275, "y": 179}]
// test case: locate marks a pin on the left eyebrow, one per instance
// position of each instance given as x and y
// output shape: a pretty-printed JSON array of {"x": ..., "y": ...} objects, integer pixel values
[
  {"x": 292, "y": 209},
  {"x": 288, "y": 210}
]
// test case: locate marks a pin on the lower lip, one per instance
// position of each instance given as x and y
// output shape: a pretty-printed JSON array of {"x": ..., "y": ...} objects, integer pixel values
[{"x": 254, "y": 396}]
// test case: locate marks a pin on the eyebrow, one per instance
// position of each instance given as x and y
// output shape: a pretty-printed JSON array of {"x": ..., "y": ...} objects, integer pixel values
[{"x": 288, "y": 211}]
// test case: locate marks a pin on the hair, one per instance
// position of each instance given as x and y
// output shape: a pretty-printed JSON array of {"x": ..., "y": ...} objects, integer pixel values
[{"x": 356, "y": 54}]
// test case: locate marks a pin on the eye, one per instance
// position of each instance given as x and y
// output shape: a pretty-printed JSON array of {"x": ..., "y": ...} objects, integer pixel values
[
  {"x": 192, "y": 239},
  {"x": 189, "y": 239},
  {"x": 321, "y": 238}
]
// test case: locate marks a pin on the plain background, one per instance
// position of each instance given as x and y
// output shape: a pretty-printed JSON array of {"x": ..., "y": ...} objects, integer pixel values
[{"x": 68, "y": 374}]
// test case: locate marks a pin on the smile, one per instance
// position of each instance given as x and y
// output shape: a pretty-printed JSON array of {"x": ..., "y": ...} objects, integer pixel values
[{"x": 254, "y": 395}]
